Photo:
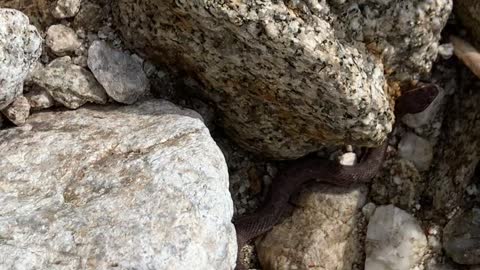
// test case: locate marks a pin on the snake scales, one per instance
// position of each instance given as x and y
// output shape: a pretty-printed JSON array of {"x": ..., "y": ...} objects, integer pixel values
[{"x": 300, "y": 171}]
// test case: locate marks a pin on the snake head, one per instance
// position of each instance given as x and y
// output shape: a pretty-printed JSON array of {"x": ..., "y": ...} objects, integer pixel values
[{"x": 416, "y": 100}]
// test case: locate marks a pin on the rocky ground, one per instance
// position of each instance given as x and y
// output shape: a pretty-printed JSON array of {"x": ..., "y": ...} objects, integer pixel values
[{"x": 421, "y": 212}]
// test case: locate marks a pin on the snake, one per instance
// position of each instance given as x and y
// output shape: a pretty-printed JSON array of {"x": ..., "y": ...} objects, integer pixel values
[{"x": 298, "y": 172}]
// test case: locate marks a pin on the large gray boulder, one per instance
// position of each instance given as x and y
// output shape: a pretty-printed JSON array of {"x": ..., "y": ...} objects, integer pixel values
[
  {"x": 138, "y": 187},
  {"x": 289, "y": 76},
  {"x": 20, "y": 48}
]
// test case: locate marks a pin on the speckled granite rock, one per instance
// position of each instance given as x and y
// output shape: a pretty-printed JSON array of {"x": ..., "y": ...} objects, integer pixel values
[
  {"x": 458, "y": 151},
  {"x": 305, "y": 240},
  {"x": 132, "y": 187},
  {"x": 37, "y": 10},
  {"x": 289, "y": 76},
  {"x": 468, "y": 11},
  {"x": 69, "y": 84},
  {"x": 20, "y": 48}
]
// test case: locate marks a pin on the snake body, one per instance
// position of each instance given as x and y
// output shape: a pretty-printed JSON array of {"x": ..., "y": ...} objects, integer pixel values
[{"x": 289, "y": 181}]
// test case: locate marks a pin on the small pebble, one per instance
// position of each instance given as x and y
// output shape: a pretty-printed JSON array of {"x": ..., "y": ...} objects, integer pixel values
[
  {"x": 445, "y": 50},
  {"x": 368, "y": 210},
  {"x": 62, "y": 39},
  {"x": 348, "y": 159}
]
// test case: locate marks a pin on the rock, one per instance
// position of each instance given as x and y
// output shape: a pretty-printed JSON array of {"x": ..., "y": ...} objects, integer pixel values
[
  {"x": 395, "y": 240},
  {"x": 119, "y": 73},
  {"x": 416, "y": 149},
  {"x": 39, "y": 99},
  {"x": 399, "y": 183},
  {"x": 461, "y": 237},
  {"x": 38, "y": 10},
  {"x": 69, "y": 84},
  {"x": 62, "y": 39},
  {"x": 20, "y": 48},
  {"x": 305, "y": 240},
  {"x": 468, "y": 12},
  {"x": 348, "y": 159},
  {"x": 445, "y": 50},
  {"x": 426, "y": 116},
  {"x": 458, "y": 151},
  {"x": 368, "y": 210},
  {"x": 115, "y": 187},
  {"x": 290, "y": 76},
  {"x": 18, "y": 111},
  {"x": 66, "y": 8},
  {"x": 89, "y": 17}
]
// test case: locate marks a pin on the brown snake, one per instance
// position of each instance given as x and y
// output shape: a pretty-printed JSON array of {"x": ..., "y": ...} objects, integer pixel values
[{"x": 300, "y": 171}]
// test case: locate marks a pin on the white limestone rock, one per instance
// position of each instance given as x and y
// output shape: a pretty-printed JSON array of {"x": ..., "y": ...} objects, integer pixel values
[
  {"x": 20, "y": 48},
  {"x": 395, "y": 240},
  {"x": 106, "y": 187}
]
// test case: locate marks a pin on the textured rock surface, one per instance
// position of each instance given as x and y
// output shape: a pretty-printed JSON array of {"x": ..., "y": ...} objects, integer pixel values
[
  {"x": 305, "y": 240},
  {"x": 37, "y": 10},
  {"x": 62, "y": 39},
  {"x": 69, "y": 84},
  {"x": 66, "y": 8},
  {"x": 468, "y": 11},
  {"x": 399, "y": 183},
  {"x": 20, "y": 48},
  {"x": 461, "y": 237},
  {"x": 18, "y": 111},
  {"x": 89, "y": 17},
  {"x": 39, "y": 99},
  {"x": 458, "y": 151},
  {"x": 395, "y": 240},
  {"x": 137, "y": 187},
  {"x": 120, "y": 74},
  {"x": 289, "y": 76},
  {"x": 416, "y": 149}
]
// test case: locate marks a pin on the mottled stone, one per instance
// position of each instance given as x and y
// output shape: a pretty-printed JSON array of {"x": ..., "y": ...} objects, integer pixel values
[
  {"x": 37, "y": 10},
  {"x": 39, "y": 99},
  {"x": 62, "y": 39},
  {"x": 66, "y": 8},
  {"x": 89, "y": 17},
  {"x": 458, "y": 151},
  {"x": 305, "y": 240},
  {"x": 289, "y": 76},
  {"x": 20, "y": 48},
  {"x": 399, "y": 183},
  {"x": 395, "y": 240},
  {"x": 105, "y": 187},
  {"x": 18, "y": 111},
  {"x": 69, "y": 84},
  {"x": 461, "y": 237},
  {"x": 416, "y": 149},
  {"x": 120, "y": 74}
]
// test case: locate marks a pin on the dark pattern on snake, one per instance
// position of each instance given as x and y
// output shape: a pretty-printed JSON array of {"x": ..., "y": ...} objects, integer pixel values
[{"x": 300, "y": 171}]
